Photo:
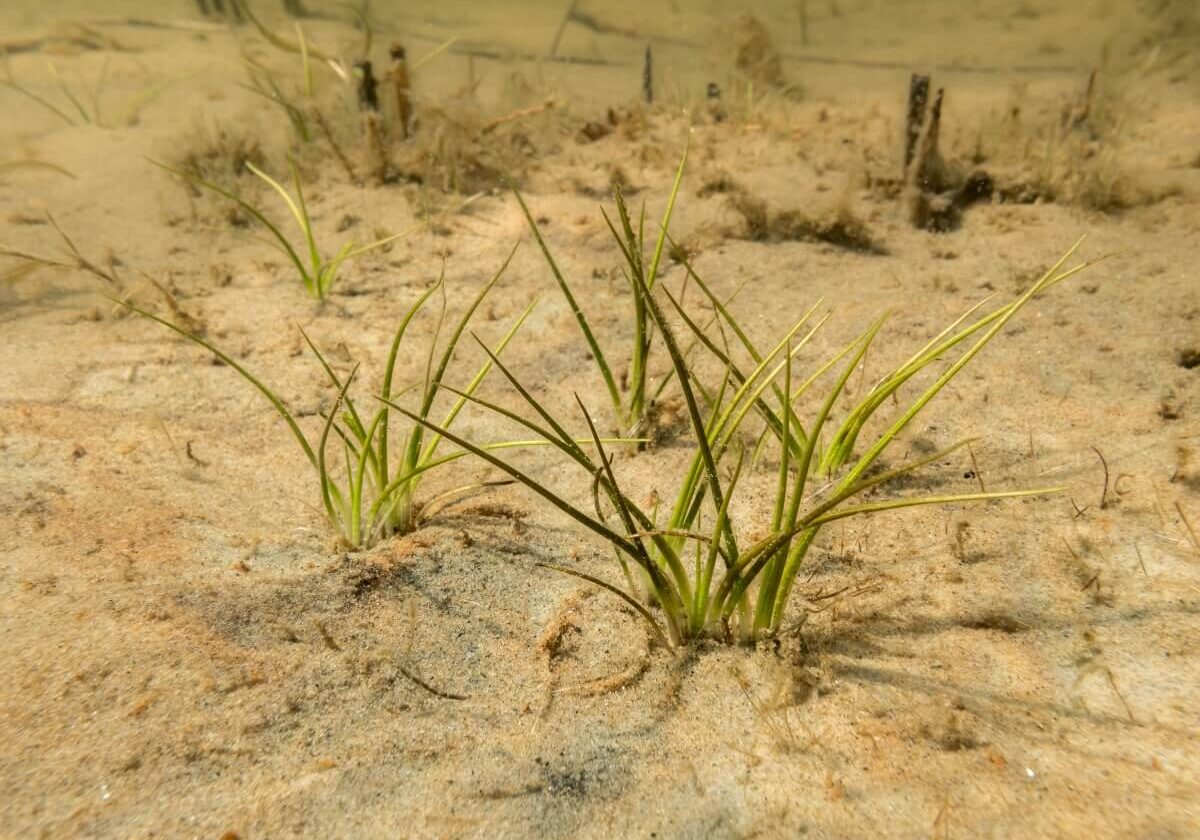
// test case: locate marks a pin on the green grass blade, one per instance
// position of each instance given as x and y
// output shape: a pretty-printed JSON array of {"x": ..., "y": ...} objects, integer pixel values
[
  {"x": 700, "y": 615},
  {"x": 777, "y": 570},
  {"x": 378, "y": 512},
  {"x": 886, "y": 438},
  {"x": 746, "y": 382},
  {"x": 289, "y": 251},
  {"x": 560, "y": 434},
  {"x": 479, "y": 376},
  {"x": 356, "y": 492},
  {"x": 652, "y": 275},
  {"x": 327, "y": 272},
  {"x": 610, "y": 382},
  {"x": 698, "y": 426},
  {"x": 414, "y": 445},
  {"x": 620, "y": 593},
  {"x": 276, "y": 403},
  {"x": 62, "y": 85},
  {"x": 620, "y": 542},
  {"x": 329, "y": 492},
  {"x": 45, "y": 103},
  {"x": 785, "y": 450},
  {"x": 722, "y": 309},
  {"x": 298, "y": 208},
  {"x": 356, "y": 424},
  {"x": 389, "y": 371},
  {"x": 359, "y": 250},
  {"x": 896, "y": 504},
  {"x": 674, "y": 598}
]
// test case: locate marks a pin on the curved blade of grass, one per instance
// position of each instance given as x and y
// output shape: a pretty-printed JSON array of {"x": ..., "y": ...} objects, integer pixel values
[
  {"x": 722, "y": 427},
  {"x": 479, "y": 376},
  {"x": 610, "y": 382},
  {"x": 83, "y": 114},
  {"x": 32, "y": 163},
  {"x": 288, "y": 250},
  {"x": 769, "y": 588},
  {"x": 742, "y": 379},
  {"x": 620, "y": 593},
  {"x": 390, "y": 368},
  {"x": 713, "y": 321},
  {"x": 407, "y": 478},
  {"x": 297, "y": 207},
  {"x": 886, "y": 438},
  {"x": 842, "y": 444},
  {"x": 276, "y": 403},
  {"x": 674, "y": 598},
  {"x": 45, "y": 103},
  {"x": 698, "y": 427},
  {"x": 275, "y": 96},
  {"x": 356, "y": 423},
  {"x": 326, "y": 272},
  {"x": 785, "y": 451},
  {"x": 553, "y": 498},
  {"x": 356, "y": 483},
  {"x": 722, "y": 309},
  {"x": 896, "y": 504},
  {"x": 329, "y": 492},
  {"x": 276, "y": 40},
  {"x": 652, "y": 275},
  {"x": 415, "y": 439},
  {"x": 444, "y": 498},
  {"x": 704, "y": 583},
  {"x": 560, "y": 436},
  {"x": 359, "y": 250}
]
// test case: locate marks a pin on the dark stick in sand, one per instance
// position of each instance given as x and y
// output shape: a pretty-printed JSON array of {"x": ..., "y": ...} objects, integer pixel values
[
  {"x": 648, "y": 75},
  {"x": 400, "y": 82},
  {"x": 368, "y": 94},
  {"x": 918, "y": 98},
  {"x": 562, "y": 27}
]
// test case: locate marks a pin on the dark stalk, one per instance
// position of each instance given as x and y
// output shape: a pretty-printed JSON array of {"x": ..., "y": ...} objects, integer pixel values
[{"x": 648, "y": 75}]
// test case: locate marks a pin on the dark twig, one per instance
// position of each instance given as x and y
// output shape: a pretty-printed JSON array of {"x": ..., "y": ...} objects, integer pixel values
[
  {"x": 918, "y": 99},
  {"x": 1141, "y": 561},
  {"x": 1104, "y": 494},
  {"x": 368, "y": 96},
  {"x": 401, "y": 84},
  {"x": 648, "y": 75},
  {"x": 436, "y": 692},
  {"x": 975, "y": 469},
  {"x": 1112, "y": 680},
  {"x": 1188, "y": 524},
  {"x": 562, "y": 27}
]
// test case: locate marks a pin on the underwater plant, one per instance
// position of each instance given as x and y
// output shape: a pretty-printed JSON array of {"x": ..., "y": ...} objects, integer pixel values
[
  {"x": 696, "y": 566},
  {"x": 374, "y": 495},
  {"x": 320, "y": 272},
  {"x": 84, "y": 106},
  {"x": 630, "y": 408}
]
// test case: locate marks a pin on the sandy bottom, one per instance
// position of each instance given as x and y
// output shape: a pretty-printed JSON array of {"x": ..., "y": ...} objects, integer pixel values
[{"x": 186, "y": 653}]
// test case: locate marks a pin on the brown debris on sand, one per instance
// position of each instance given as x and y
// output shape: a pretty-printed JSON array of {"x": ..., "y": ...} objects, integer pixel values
[
  {"x": 934, "y": 192},
  {"x": 838, "y": 227}
]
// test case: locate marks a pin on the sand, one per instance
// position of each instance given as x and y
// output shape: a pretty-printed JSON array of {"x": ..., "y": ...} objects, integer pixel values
[{"x": 187, "y": 652}]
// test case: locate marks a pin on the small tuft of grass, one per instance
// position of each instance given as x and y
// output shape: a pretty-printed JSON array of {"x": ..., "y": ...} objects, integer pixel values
[
  {"x": 82, "y": 104},
  {"x": 633, "y": 399},
  {"x": 374, "y": 492},
  {"x": 72, "y": 258},
  {"x": 317, "y": 271}
]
